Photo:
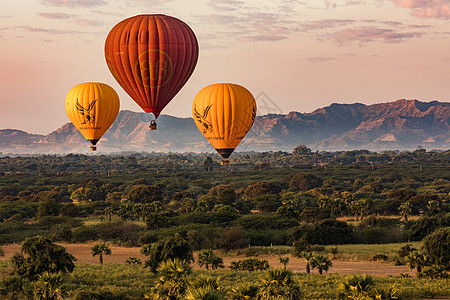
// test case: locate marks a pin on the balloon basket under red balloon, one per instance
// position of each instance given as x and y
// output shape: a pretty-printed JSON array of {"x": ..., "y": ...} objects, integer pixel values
[{"x": 93, "y": 148}]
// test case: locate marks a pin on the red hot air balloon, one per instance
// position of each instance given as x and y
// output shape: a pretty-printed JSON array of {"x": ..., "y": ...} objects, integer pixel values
[{"x": 151, "y": 57}]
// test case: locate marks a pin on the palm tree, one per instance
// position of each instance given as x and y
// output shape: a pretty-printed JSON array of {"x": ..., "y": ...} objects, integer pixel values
[
  {"x": 203, "y": 293},
  {"x": 308, "y": 257},
  {"x": 278, "y": 283},
  {"x": 100, "y": 249},
  {"x": 109, "y": 210},
  {"x": 244, "y": 292},
  {"x": 12, "y": 286},
  {"x": 322, "y": 263},
  {"x": 417, "y": 260},
  {"x": 172, "y": 282},
  {"x": 49, "y": 286},
  {"x": 204, "y": 288},
  {"x": 284, "y": 261},
  {"x": 209, "y": 258},
  {"x": 355, "y": 286},
  {"x": 405, "y": 210},
  {"x": 334, "y": 251}
]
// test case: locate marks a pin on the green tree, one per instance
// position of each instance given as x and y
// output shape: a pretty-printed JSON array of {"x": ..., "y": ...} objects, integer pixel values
[
  {"x": 304, "y": 182},
  {"x": 321, "y": 263},
  {"x": 279, "y": 284},
  {"x": 418, "y": 260},
  {"x": 12, "y": 287},
  {"x": 355, "y": 287},
  {"x": 232, "y": 238},
  {"x": 244, "y": 291},
  {"x": 145, "y": 194},
  {"x": 302, "y": 150},
  {"x": 284, "y": 261},
  {"x": 49, "y": 286},
  {"x": 38, "y": 255},
  {"x": 204, "y": 288},
  {"x": 169, "y": 248},
  {"x": 437, "y": 245},
  {"x": 222, "y": 194},
  {"x": 48, "y": 207},
  {"x": 405, "y": 210},
  {"x": 433, "y": 208},
  {"x": 100, "y": 249},
  {"x": 208, "y": 258},
  {"x": 334, "y": 251},
  {"x": 309, "y": 258},
  {"x": 261, "y": 188},
  {"x": 132, "y": 260},
  {"x": 172, "y": 280}
]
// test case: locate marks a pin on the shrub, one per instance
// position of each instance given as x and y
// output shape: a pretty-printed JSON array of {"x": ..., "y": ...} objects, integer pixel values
[
  {"x": 232, "y": 238},
  {"x": 250, "y": 264},
  {"x": 416, "y": 231},
  {"x": 91, "y": 295},
  {"x": 208, "y": 258},
  {"x": 39, "y": 255},
  {"x": 304, "y": 182},
  {"x": 437, "y": 245},
  {"x": 379, "y": 257},
  {"x": 326, "y": 232},
  {"x": 172, "y": 247},
  {"x": 266, "y": 237}
]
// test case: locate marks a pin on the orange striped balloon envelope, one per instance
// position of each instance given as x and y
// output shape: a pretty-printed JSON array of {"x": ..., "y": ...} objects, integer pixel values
[
  {"x": 92, "y": 107},
  {"x": 224, "y": 113},
  {"x": 151, "y": 57}
]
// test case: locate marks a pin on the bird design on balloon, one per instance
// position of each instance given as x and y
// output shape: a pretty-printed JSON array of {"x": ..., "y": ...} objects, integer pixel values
[
  {"x": 86, "y": 112},
  {"x": 202, "y": 118}
]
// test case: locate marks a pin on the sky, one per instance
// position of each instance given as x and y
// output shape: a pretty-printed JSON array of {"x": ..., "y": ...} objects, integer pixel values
[{"x": 293, "y": 55}]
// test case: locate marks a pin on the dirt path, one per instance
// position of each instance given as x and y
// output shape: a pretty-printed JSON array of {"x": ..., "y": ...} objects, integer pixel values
[{"x": 82, "y": 252}]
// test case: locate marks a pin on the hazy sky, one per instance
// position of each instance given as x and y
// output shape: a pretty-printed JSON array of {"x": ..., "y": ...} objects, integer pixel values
[{"x": 302, "y": 54}]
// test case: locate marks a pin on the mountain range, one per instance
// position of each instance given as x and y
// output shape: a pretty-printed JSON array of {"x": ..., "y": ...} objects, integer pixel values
[{"x": 399, "y": 125}]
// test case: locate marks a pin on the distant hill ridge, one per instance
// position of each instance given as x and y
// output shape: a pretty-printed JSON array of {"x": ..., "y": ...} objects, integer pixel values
[{"x": 402, "y": 124}]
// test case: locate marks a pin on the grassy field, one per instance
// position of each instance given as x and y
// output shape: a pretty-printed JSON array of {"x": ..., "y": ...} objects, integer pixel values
[{"x": 134, "y": 281}]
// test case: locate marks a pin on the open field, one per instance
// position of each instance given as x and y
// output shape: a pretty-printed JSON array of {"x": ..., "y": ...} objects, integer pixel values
[{"x": 82, "y": 252}]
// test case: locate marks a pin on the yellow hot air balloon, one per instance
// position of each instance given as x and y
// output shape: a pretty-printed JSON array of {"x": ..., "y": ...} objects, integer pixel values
[
  {"x": 92, "y": 107},
  {"x": 224, "y": 113}
]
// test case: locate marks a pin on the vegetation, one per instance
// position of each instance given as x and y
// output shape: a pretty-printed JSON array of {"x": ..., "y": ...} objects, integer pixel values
[
  {"x": 173, "y": 204},
  {"x": 100, "y": 249}
]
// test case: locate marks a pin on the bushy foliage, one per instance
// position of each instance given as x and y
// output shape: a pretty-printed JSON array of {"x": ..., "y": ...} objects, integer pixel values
[
  {"x": 304, "y": 182},
  {"x": 261, "y": 188},
  {"x": 437, "y": 245},
  {"x": 325, "y": 232},
  {"x": 417, "y": 230},
  {"x": 39, "y": 255},
  {"x": 208, "y": 259},
  {"x": 172, "y": 247},
  {"x": 249, "y": 264}
]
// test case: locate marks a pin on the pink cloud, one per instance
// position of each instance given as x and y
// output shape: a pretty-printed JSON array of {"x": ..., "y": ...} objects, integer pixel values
[
  {"x": 426, "y": 8},
  {"x": 75, "y": 3},
  {"x": 327, "y": 23},
  {"x": 45, "y": 30},
  {"x": 54, "y": 15},
  {"x": 261, "y": 37},
  {"x": 319, "y": 59},
  {"x": 225, "y": 5},
  {"x": 87, "y": 23},
  {"x": 365, "y": 35}
]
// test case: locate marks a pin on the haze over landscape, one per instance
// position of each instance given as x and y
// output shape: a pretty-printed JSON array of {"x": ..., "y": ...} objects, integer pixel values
[{"x": 303, "y": 55}]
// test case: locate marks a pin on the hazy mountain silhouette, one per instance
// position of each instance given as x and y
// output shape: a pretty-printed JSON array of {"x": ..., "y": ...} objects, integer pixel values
[{"x": 403, "y": 124}]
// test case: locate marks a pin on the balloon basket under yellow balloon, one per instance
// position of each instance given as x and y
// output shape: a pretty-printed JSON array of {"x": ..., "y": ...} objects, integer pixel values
[{"x": 225, "y": 162}]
